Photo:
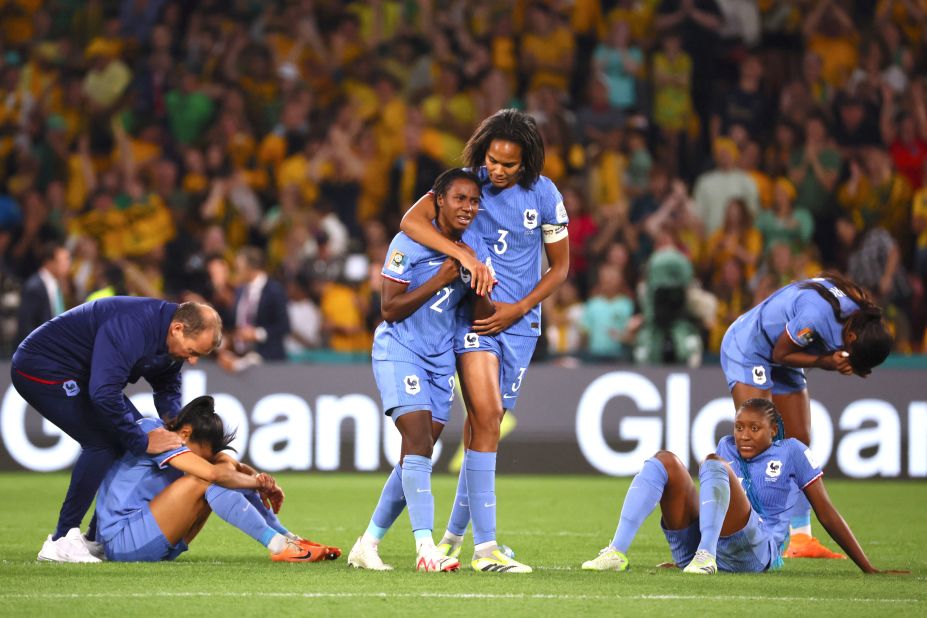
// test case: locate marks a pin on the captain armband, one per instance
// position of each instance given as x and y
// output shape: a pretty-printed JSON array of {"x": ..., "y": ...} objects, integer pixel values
[{"x": 553, "y": 233}]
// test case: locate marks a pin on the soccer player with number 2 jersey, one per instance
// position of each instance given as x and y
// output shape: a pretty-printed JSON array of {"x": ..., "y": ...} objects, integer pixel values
[
  {"x": 522, "y": 215},
  {"x": 413, "y": 363}
]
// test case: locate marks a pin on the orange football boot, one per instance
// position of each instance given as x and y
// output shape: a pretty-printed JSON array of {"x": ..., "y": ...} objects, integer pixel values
[
  {"x": 299, "y": 552},
  {"x": 805, "y": 546},
  {"x": 331, "y": 553}
]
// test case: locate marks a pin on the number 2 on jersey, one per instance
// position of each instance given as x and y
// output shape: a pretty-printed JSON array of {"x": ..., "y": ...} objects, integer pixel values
[{"x": 443, "y": 295}]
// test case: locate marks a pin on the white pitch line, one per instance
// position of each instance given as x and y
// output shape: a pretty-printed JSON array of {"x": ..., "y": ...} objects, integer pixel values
[{"x": 439, "y": 595}]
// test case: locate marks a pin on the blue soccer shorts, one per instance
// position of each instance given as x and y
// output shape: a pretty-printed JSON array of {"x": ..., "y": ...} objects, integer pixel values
[
  {"x": 140, "y": 540},
  {"x": 514, "y": 353},
  {"x": 754, "y": 370},
  {"x": 749, "y": 550},
  {"x": 407, "y": 387}
]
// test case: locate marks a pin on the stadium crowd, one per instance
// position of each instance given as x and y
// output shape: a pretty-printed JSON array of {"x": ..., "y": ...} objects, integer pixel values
[{"x": 259, "y": 155}]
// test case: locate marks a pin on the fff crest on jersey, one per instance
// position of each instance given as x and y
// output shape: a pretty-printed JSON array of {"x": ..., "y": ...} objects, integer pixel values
[
  {"x": 773, "y": 469},
  {"x": 531, "y": 218}
]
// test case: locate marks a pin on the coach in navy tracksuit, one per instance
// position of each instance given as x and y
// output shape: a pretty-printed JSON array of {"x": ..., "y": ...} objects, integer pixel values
[{"x": 73, "y": 369}]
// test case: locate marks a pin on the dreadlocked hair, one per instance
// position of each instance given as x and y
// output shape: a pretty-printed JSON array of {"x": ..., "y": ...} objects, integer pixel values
[
  {"x": 514, "y": 126},
  {"x": 206, "y": 426},
  {"x": 873, "y": 341},
  {"x": 444, "y": 181}
]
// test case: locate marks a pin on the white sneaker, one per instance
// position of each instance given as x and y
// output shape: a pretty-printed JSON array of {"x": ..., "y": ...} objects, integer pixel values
[
  {"x": 702, "y": 563},
  {"x": 96, "y": 549},
  {"x": 365, "y": 556},
  {"x": 69, "y": 548},
  {"x": 609, "y": 559},
  {"x": 431, "y": 559},
  {"x": 49, "y": 551}
]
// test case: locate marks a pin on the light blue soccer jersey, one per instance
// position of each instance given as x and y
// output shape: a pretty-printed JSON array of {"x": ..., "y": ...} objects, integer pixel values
[
  {"x": 802, "y": 313},
  {"x": 509, "y": 223},
  {"x": 132, "y": 482},
  {"x": 773, "y": 473},
  {"x": 424, "y": 338}
]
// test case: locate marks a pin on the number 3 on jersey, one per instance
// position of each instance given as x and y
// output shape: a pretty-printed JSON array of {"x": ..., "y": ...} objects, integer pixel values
[
  {"x": 443, "y": 295},
  {"x": 501, "y": 246}
]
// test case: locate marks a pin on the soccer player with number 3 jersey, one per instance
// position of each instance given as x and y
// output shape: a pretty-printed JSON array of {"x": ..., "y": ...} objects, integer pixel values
[
  {"x": 413, "y": 363},
  {"x": 522, "y": 215}
]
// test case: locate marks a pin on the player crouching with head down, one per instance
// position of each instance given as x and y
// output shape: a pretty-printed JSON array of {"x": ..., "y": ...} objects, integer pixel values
[
  {"x": 724, "y": 524},
  {"x": 150, "y": 507}
]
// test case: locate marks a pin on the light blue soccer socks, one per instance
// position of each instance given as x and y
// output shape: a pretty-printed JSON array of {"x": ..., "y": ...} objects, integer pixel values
[
  {"x": 481, "y": 494},
  {"x": 391, "y": 504},
  {"x": 460, "y": 513},
  {"x": 416, "y": 483},
  {"x": 642, "y": 498},
  {"x": 269, "y": 516},
  {"x": 714, "y": 498},
  {"x": 235, "y": 509}
]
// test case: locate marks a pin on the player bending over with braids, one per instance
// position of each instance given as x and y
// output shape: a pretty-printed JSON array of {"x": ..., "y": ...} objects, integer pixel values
[
  {"x": 723, "y": 524},
  {"x": 150, "y": 507},
  {"x": 827, "y": 322}
]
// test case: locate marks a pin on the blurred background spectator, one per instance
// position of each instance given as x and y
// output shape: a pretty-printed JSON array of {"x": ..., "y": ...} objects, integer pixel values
[{"x": 266, "y": 151}]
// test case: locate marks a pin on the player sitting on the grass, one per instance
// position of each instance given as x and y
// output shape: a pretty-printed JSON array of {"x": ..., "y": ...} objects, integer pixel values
[
  {"x": 413, "y": 363},
  {"x": 150, "y": 507},
  {"x": 723, "y": 524}
]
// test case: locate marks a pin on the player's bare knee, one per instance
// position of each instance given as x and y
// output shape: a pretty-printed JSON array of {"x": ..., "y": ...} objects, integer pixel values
[
  {"x": 669, "y": 460},
  {"x": 419, "y": 445},
  {"x": 486, "y": 425},
  {"x": 716, "y": 457}
]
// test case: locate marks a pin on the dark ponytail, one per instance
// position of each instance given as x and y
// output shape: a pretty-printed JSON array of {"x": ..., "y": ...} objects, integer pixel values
[
  {"x": 873, "y": 342},
  {"x": 206, "y": 426}
]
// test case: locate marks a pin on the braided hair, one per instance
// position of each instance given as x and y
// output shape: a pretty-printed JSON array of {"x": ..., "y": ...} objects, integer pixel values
[
  {"x": 873, "y": 341},
  {"x": 768, "y": 409},
  {"x": 514, "y": 126}
]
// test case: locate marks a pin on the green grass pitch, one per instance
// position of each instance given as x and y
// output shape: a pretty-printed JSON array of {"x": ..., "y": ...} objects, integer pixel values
[{"x": 554, "y": 523}]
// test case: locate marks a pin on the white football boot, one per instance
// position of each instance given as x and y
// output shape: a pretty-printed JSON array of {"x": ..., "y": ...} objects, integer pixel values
[{"x": 365, "y": 556}]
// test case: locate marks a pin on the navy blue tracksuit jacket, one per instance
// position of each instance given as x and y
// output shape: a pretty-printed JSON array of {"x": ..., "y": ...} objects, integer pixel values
[{"x": 102, "y": 346}]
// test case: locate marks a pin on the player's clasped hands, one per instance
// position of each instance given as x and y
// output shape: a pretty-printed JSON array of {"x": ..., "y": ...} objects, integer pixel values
[{"x": 271, "y": 494}]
